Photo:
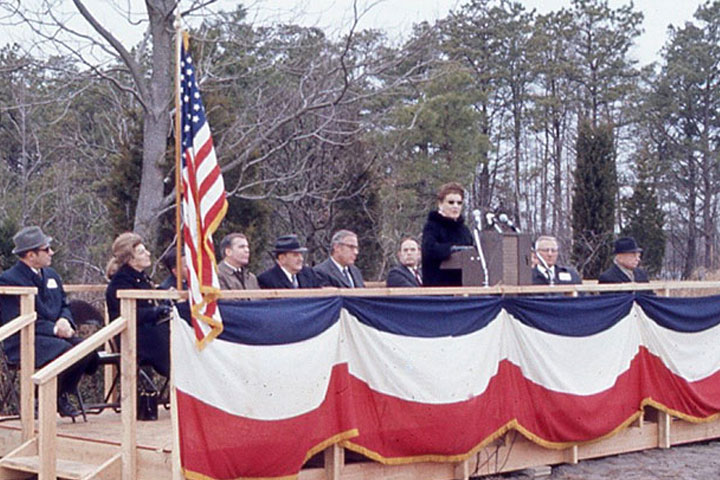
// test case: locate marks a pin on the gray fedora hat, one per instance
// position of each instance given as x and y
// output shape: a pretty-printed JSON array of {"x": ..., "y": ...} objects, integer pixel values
[
  {"x": 30, "y": 238},
  {"x": 288, "y": 243}
]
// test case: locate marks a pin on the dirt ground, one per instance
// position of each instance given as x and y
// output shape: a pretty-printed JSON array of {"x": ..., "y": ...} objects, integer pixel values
[{"x": 698, "y": 461}]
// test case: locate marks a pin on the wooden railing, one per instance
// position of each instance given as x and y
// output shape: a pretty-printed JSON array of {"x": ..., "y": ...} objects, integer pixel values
[
  {"x": 25, "y": 324},
  {"x": 46, "y": 379}
]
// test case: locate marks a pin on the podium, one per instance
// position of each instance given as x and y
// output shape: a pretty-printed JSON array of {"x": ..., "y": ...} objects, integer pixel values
[{"x": 507, "y": 256}]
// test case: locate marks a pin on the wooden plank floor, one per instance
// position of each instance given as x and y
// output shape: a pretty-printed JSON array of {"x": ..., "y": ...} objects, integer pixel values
[
  {"x": 96, "y": 440},
  {"x": 106, "y": 427}
]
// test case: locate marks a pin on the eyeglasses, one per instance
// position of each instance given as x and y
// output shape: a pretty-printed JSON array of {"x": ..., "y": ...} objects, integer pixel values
[
  {"x": 44, "y": 249},
  {"x": 350, "y": 246},
  {"x": 455, "y": 202},
  {"x": 548, "y": 250}
]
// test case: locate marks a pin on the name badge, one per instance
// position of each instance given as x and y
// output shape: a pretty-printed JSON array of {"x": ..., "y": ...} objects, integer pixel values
[
  {"x": 564, "y": 276},
  {"x": 51, "y": 283}
]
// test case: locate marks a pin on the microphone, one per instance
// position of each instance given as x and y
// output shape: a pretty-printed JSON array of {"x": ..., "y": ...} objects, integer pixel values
[
  {"x": 490, "y": 219},
  {"x": 507, "y": 221},
  {"x": 477, "y": 218}
]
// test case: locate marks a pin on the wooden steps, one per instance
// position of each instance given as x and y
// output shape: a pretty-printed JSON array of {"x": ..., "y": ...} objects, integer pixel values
[
  {"x": 24, "y": 462},
  {"x": 66, "y": 469}
]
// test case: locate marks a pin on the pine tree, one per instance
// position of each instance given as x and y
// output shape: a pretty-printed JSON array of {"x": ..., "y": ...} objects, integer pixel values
[
  {"x": 594, "y": 199},
  {"x": 644, "y": 219}
]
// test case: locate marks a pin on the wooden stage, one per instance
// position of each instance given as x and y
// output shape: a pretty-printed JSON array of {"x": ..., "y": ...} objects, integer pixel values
[
  {"x": 114, "y": 446},
  {"x": 83, "y": 446}
]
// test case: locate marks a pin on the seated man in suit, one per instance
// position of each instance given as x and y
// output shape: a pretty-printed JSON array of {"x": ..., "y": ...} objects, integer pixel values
[
  {"x": 233, "y": 273},
  {"x": 546, "y": 249},
  {"x": 339, "y": 270},
  {"x": 407, "y": 274},
  {"x": 55, "y": 330},
  {"x": 289, "y": 271},
  {"x": 625, "y": 265}
]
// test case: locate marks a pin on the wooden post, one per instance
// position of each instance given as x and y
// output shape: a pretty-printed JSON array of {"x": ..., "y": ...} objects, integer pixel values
[
  {"x": 128, "y": 381},
  {"x": 572, "y": 455},
  {"x": 48, "y": 426},
  {"x": 462, "y": 469},
  {"x": 27, "y": 368},
  {"x": 334, "y": 462},
  {"x": 176, "y": 464},
  {"x": 663, "y": 429}
]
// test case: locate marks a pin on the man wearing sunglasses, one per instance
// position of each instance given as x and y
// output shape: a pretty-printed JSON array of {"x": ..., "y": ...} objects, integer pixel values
[
  {"x": 547, "y": 271},
  {"x": 55, "y": 330}
]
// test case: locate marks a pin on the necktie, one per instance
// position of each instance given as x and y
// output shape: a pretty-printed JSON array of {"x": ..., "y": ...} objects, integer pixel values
[
  {"x": 346, "y": 271},
  {"x": 239, "y": 275},
  {"x": 417, "y": 276},
  {"x": 295, "y": 283}
]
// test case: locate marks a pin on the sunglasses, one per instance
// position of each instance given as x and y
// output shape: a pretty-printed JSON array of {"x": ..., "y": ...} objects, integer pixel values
[
  {"x": 44, "y": 249},
  {"x": 455, "y": 202}
]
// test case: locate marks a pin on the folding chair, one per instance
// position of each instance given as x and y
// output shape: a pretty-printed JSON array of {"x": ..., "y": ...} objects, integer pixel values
[{"x": 84, "y": 313}]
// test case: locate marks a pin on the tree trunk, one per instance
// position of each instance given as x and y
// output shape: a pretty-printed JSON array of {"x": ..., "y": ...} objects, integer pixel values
[{"x": 156, "y": 128}]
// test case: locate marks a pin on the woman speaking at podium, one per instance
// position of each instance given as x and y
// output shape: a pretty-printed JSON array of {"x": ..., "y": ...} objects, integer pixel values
[{"x": 444, "y": 231}]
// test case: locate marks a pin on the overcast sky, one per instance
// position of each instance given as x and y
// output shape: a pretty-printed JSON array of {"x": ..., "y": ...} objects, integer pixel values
[
  {"x": 397, "y": 16},
  {"x": 335, "y": 16}
]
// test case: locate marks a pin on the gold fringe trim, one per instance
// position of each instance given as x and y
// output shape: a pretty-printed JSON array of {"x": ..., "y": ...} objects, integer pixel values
[
  {"x": 189, "y": 474},
  {"x": 515, "y": 425},
  {"x": 343, "y": 440}
]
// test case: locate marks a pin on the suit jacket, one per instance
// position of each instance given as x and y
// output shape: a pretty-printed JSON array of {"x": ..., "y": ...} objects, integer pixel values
[
  {"x": 538, "y": 278},
  {"x": 615, "y": 275},
  {"x": 331, "y": 275},
  {"x": 50, "y": 305},
  {"x": 276, "y": 278},
  {"x": 400, "y": 276},
  {"x": 229, "y": 280}
]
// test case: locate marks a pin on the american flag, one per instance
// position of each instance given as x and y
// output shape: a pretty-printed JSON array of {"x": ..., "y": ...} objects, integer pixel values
[{"x": 203, "y": 201}]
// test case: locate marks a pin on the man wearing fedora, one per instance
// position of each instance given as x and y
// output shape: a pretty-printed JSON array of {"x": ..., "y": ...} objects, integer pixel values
[
  {"x": 625, "y": 266},
  {"x": 339, "y": 270},
  {"x": 289, "y": 271},
  {"x": 55, "y": 330}
]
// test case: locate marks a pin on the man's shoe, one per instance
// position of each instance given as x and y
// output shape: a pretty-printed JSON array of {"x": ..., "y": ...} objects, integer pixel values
[{"x": 65, "y": 408}]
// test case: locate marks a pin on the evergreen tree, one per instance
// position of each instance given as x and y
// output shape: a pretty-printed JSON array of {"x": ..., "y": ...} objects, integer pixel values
[
  {"x": 594, "y": 199},
  {"x": 645, "y": 219}
]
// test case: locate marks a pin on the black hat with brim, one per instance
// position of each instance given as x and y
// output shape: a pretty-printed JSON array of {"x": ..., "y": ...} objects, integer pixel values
[
  {"x": 288, "y": 243},
  {"x": 626, "y": 245}
]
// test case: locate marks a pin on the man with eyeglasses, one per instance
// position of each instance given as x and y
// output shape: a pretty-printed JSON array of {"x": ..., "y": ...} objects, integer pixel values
[
  {"x": 55, "y": 330},
  {"x": 233, "y": 273},
  {"x": 546, "y": 248},
  {"x": 339, "y": 270}
]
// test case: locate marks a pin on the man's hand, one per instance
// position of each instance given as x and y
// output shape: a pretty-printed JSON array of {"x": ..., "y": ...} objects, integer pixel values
[{"x": 63, "y": 328}]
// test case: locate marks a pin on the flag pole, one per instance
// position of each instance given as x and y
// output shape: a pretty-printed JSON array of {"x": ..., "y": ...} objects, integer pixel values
[
  {"x": 176, "y": 468},
  {"x": 178, "y": 153}
]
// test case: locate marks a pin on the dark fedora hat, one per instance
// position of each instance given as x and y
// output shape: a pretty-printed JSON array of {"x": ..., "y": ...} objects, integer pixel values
[
  {"x": 30, "y": 238},
  {"x": 626, "y": 245},
  {"x": 288, "y": 243}
]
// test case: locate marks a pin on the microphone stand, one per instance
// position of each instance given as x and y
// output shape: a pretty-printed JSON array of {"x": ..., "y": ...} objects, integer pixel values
[
  {"x": 551, "y": 277},
  {"x": 478, "y": 246}
]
